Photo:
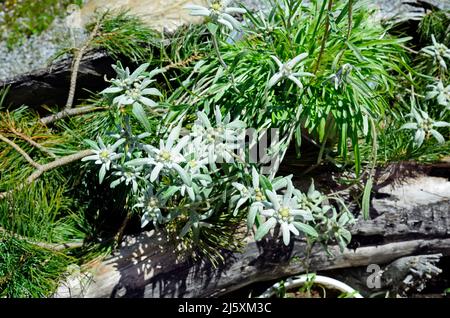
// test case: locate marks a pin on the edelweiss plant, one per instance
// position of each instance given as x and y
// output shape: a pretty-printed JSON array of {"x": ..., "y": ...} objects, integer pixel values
[
  {"x": 133, "y": 87},
  {"x": 286, "y": 71},
  {"x": 439, "y": 52},
  {"x": 284, "y": 210},
  {"x": 425, "y": 127},
  {"x": 219, "y": 12},
  {"x": 441, "y": 93},
  {"x": 167, "y": 157},
  {"x": 221, "y": 140},
  {"x": 104, "y": 155}
]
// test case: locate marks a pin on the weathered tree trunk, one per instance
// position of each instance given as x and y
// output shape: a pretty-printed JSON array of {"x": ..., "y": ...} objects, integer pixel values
[
  {"x": 412, "y": 218},
  {"x": 49, "y": 86}
]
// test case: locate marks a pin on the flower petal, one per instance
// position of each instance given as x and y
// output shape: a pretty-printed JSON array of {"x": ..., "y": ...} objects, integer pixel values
[
  {"x": 291, "y": 64},
  {"x": 296, "y": 81},
  {"x": 155, "y": 172},
  {"x": 286, "y": 233},
  {"x": 274, "y": 79},
  {"x": 273, "y": 199},
  {"x": 440, "y": 139},
  {"x": 265, "y": 228}
]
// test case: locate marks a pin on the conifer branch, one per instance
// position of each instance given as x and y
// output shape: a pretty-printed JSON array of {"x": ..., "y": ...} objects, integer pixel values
[
  {"x": 70, "y": 112},
  {"x": 41, "y": 169},
  {"x": 20, "y": 151},
  {"x": 30, "y": 141},
  {"x": 76, "y": 65}
]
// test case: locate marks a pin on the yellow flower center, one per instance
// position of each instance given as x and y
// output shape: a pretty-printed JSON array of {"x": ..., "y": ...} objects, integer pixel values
[
  {"x": 153, "y": 203},
  {"x": 193, "y": 163},
  {"x": 217, "y": 6},
  {"x": 104, "y": 154},
  {"x": 165, "y": 155},
  {"x": 284, "y": 212},
  {"x": 259, "y": 196}
]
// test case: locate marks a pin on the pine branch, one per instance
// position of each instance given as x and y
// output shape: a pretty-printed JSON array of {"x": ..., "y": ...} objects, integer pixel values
[
  {"x": 76, "y": 65},
  {"x": 58, "y": 163},
  {"x": 70, "y": 112},
  {"x": 20, "y": 151},
  {"x": 57, "y": 247},
  {"x": 41, "y": 169},
  {"x": 31, "y": 142}
]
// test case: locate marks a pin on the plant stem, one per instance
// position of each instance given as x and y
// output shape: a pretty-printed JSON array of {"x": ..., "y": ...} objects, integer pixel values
[
  {"x": 41, "y": 169},
  {"x": 57, "y": 247},
  {"x": 222, "y": 62},
  {"x": 325, "y": 36},
  {"x": 21, "y": 152},
  {"x": 76, "y": 65},
  {"x": 70, "y": 112},
  {"x": 350, "y": 18},
  {"x": 32, "y": 142}
]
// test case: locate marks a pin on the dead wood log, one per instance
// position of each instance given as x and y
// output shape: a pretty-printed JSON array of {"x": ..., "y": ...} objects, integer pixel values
[
  {"x": 412, "y": 218},
  {"x": 49, "y": 86}
]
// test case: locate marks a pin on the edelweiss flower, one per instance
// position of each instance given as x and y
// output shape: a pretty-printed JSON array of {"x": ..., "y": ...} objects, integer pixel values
[
  {"x": 104, "y": 155},
  {"x": 285, "y": 211},
  {"x": 131, "y": 175},
  {"x": 311, "y": 200},
  {"x": 167, "y": 157},
  {"x": 220, "y": 141},
  {"x": 424, "y": 127},
  {"x": 439, "y": 51},
  {"x": 133, "y": 88},
  {"x": 287, "y": 71},
  {"x": 442, "y": 93},
  {"x": 196, "y": 156},
  {"x": 151, "y": 205},
  {"x": 254, "y": 194},
  {"x": 218, "y": 12}
]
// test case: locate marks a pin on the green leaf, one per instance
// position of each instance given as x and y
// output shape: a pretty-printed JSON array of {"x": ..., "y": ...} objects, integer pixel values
[
  {"x": 305, "y": 228},
  {"x": 346, "y": 235},
  {"x": 92, "y": 144},
  {"x": 265, "y": 228},
  {"x": 265, "y": 182},
  {"x": 356, "y": 51},
  {"x": 213, "y": 28},
  {"x": 139, "y": 113},
  {"x": 252, "y": 216},
  {"x": 366, "y": 199},
  {"x": 169, "y": 192}
]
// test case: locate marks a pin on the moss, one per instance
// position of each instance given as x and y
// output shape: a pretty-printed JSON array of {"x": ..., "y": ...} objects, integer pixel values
[{"x": 22, "y": 18}]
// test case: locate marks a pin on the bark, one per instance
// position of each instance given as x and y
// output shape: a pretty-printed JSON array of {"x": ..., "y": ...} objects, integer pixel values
[{"x": 412, "y": 218}]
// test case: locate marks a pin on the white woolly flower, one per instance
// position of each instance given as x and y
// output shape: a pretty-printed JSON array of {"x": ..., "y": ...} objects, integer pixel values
[
  {"x": 133, "y": 88},
  {"x": 441, "y": 92},
  {"x": 150, "y": 204},
  {"x": 217, "y": 11},
  {"x": 286, "y": 71},
  {"x": 221, "y": 140},
  {"x": 130, "y": 175},
  {"x": 167, "y": 157},
  {"x": 104, "y": 155},
  {"x": 424, "y": 127},
  {"x": 285, "y": 211},
  {"x": 253, "y": 193},
  {"x": 439, "y": 51}
]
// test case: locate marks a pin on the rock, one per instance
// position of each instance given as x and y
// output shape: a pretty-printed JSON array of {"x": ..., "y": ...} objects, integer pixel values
[{"x": 163, "y": 15}]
